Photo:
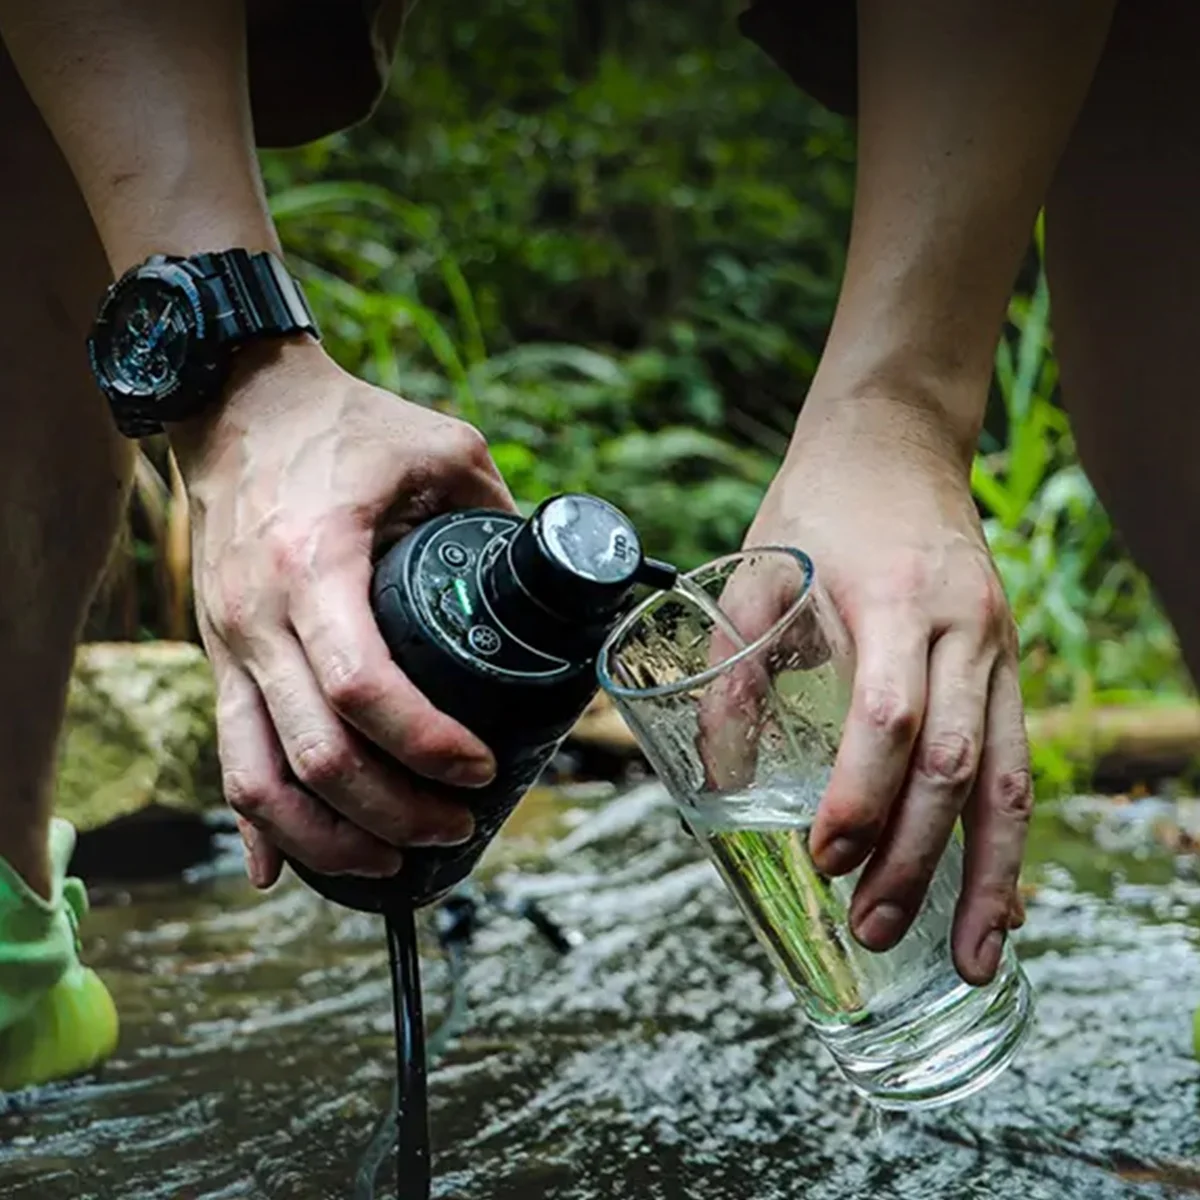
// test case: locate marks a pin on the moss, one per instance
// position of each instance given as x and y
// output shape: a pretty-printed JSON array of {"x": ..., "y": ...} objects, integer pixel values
[{"x": 140, "y": 732}]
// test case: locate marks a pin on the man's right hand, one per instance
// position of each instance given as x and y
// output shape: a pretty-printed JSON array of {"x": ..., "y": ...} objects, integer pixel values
[
  {"x": 293, "y": 484},
  {"x": 877, "y": 492}
]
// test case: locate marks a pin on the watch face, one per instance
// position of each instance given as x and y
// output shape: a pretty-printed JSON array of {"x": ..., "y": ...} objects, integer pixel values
[{"x": 149, "y": 325}]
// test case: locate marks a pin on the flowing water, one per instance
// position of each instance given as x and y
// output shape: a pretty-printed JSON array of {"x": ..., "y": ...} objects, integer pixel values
[{"x": 662, "y": 1058}]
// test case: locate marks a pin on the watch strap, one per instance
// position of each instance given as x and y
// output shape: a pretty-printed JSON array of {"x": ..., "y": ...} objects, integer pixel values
[
  {"x": 133, "y": 421},
  {"x": 255, "y": 296}
]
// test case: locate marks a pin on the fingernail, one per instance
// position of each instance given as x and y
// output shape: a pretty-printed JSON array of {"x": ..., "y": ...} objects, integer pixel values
[
  {"x": 475, "y": 772},
  {"x": 383, "y": 868},
  {"x": 447, "y": 832},
  {"x": 987, "y": 957},
  {"x": 842, "y": 854},
  {"x": 881, "y": 926},
  {"x": 255, "y": 871}
]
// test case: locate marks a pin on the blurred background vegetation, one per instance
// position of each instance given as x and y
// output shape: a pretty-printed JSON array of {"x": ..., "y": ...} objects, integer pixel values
[{"x": 610, "y": 234}]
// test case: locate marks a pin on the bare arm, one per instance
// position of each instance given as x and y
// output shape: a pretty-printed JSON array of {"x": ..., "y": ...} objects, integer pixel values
[
  {"x": 965, "y": 109},
  {"x": 291, "y": 476},
  {"x": 148, "y": 101}
]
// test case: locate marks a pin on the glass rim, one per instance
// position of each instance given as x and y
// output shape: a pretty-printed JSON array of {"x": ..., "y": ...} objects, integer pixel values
[{"x": 803, "y": 598}]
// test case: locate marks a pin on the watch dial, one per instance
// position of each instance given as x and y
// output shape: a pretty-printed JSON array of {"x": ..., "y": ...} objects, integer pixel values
[{"x": 151, "y": 324}]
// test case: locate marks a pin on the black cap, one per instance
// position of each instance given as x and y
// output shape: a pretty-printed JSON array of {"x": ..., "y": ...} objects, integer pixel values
[
  {"x": 579, "y": 557},
  {"x": 568, "y": 574}
]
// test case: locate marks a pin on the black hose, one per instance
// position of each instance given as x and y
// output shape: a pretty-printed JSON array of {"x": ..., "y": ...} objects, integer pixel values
[
  {"x": 414, "y": 1179},
  {"x": 406, "y": 1123},
  {"x": 401, "y": 1104}
]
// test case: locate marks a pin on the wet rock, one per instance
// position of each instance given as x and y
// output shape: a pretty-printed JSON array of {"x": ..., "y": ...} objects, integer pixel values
[
  {"x": 1122, "y": 746},
  {"x": 140, "y": 734}
]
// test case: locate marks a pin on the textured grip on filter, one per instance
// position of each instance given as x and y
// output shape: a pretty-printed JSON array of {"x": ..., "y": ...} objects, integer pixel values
[{"x": 576, "y": 556}]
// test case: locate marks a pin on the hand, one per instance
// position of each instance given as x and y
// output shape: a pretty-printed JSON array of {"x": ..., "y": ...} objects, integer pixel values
[
  {"x": 878, "y": 496},
  {"x": 293, "y": 485}
]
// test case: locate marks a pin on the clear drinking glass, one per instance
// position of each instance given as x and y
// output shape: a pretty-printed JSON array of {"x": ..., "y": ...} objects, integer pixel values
[{"x": 736, "y": 686}]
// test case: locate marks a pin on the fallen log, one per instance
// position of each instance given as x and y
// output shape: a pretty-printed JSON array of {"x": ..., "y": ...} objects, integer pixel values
[
  {"x": 1148, "y": 733},
  {"x": 1115, "y": 748},
  {"x": 140, "y": 734}
]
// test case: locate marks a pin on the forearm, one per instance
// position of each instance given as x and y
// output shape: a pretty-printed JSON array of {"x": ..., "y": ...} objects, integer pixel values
[
  {"x": 148, "y": 102},
  {"x": 964, "y": 110}
]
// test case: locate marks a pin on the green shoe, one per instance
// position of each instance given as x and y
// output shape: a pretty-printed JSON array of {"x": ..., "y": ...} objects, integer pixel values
[{"x": 57, "y": 1018}]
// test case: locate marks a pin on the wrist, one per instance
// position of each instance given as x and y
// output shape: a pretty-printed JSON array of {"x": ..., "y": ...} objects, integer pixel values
[
  {"x": 189, "y": 204},
  {"x": 278, "y": 362},
  {"x": 173, "y": 336},
  {"x": 935, "y": 427},
  {"x": 922, "y": 349}
]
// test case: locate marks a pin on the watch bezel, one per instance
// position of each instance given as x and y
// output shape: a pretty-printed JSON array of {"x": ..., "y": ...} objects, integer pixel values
[{"x": 187, "y": 389}]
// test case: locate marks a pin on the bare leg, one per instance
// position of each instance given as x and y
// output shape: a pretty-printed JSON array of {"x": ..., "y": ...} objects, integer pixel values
[
  {"x": 1123, "y": 250},
  {"x": 63, "y": 471}
]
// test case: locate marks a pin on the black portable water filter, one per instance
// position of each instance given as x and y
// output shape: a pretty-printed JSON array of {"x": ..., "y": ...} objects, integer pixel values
[{"x": 498, "y": 621}]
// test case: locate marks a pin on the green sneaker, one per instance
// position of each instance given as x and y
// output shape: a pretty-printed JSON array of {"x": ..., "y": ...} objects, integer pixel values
[{"x": 57, "y": 1018}]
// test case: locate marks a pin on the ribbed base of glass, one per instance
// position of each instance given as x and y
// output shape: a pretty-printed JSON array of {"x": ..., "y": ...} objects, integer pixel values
[{"x": 936, "y": 1050}]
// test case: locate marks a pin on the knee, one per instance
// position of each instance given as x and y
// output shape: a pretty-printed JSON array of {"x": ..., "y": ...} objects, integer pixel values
[{"x": 101, "y": 525}]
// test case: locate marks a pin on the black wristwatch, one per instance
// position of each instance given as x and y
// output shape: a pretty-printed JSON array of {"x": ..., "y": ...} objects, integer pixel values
[{"x": 167, "y": 331}]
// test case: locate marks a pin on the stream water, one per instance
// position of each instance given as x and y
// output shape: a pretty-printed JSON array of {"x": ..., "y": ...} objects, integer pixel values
[{"x": 661, "y": 1058}]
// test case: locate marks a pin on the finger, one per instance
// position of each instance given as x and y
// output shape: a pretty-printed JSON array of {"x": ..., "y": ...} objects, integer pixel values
[
  {"x": 761, "y": 589},
  {"x": 996, "y": 822},
  {"x": 273, "y": 813},
  {"x": 760, "y": 593},
  {"x": 263, "y": 860},
  {"x": 337, "y": 766},
  {"x": 357, "y": 678},
  {"x": 942, "y": 772},
  {"x": 886, "y": 705}
]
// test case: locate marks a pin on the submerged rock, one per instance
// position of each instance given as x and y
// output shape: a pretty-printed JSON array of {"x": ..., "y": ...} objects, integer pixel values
[{"x": 140, "y": 734}]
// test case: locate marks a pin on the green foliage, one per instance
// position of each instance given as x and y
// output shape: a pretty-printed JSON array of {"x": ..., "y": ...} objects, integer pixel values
[
  {"x": 611, "y": 235},
  {"x": 558, "y": 416}
]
